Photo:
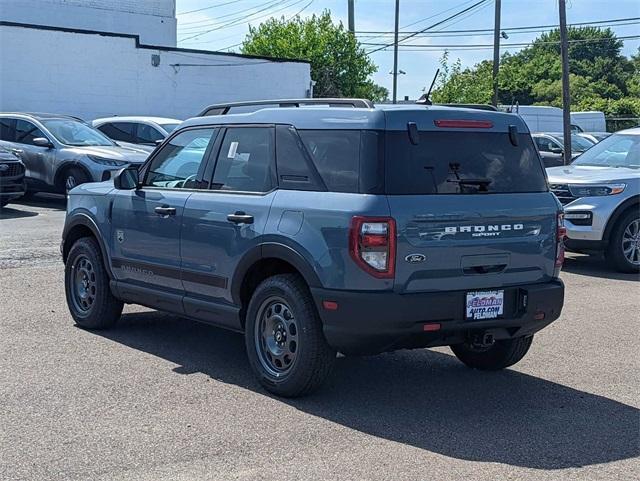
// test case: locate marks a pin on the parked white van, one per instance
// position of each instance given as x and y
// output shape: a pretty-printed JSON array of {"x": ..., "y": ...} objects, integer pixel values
[{"x": 591, "y": 121}]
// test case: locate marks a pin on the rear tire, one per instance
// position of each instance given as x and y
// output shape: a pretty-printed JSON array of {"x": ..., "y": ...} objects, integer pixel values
[
  {"x": 89, "y": 297},
  {"x": 284, "y": 339},
  {"x": 623, "y": 251},
  {"x": 500, "y": 355}
]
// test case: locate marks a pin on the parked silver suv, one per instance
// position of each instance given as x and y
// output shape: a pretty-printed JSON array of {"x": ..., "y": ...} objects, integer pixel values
[
  {"x": 600, "y": 191},
  {"x": 60, "y": 152}
]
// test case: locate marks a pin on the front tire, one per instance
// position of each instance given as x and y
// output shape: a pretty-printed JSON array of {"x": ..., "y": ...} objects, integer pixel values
[
  {"x": 623, "y": 251},
  {"x": 72, "y": 178},
  {"x": 284, "y": 339},
  {"x": 500, "y": 355},
  {"x": 89, "y": 298}
]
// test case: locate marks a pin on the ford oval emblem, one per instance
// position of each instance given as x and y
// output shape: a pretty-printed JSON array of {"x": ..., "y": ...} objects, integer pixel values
[{"x": 415, "y": 258}]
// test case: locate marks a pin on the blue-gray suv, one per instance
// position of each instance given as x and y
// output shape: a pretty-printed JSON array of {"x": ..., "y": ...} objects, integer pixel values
[{"x": 336, "y": 227}]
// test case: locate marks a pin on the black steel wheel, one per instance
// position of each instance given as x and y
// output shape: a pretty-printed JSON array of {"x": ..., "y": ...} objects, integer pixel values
[
  {"x": 89, "y": 297},
  {"x": 284, "y": 339}
]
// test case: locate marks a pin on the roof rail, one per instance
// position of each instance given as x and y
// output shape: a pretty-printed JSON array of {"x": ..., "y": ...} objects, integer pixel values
[{"x": 223, "y": 109}]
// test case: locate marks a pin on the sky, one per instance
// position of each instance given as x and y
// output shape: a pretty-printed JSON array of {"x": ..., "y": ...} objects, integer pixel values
[{"x": 221, "y": 25}]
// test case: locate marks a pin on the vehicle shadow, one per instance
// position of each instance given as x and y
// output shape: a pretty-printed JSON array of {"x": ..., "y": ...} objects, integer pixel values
[
  {"x": 13, "y": 213},
  {"x": 420, "y": 398},
  {"x": 52, "y": 201},
  {"x": 594, "y": 265}
]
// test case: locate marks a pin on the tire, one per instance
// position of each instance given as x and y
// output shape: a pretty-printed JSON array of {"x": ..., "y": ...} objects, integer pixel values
[
  {"x": 89, "y": 296},
  {"x": 283, "y": 335},
  {"x": 500, "y": 355},
  {"x": 623, "y": 250},
  {"x": 73, "y": 177}
]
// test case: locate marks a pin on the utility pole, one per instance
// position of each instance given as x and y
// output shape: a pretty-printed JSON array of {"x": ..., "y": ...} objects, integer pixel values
[
  {"x": 395, "y": 54},
  {"x": 496, "y": 53},
  {"x": 566, "y": 99},
  {"x": 352, "y": 22}
]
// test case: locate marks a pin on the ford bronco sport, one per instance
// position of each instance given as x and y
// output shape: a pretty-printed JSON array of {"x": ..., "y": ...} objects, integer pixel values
[{"x": 342, "y": 227}]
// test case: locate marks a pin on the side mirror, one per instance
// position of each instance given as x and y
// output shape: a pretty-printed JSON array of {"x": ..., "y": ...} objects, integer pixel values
[
  {"x": 127, "y": 179},
  {"x": 42, "y": 142}
]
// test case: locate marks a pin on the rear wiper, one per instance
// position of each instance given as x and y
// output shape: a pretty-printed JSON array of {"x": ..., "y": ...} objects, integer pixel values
[{"x": 478, "y": 181}]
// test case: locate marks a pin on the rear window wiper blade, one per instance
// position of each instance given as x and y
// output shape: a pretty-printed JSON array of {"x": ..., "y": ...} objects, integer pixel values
[{"x": 478, "y": 181}]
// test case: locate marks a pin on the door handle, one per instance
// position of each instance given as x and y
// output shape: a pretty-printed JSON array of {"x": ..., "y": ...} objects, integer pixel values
[
  {"x": 165, "y": 211},
  {"x": 240, "y": 218}
]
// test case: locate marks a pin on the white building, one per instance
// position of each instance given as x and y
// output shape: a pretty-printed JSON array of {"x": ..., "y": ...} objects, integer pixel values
[{"x": 95, "y": 58}]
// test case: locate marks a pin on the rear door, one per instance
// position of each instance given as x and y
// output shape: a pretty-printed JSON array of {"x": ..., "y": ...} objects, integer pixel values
[
  {"x": 222, "y": 224},
  {"x": 472, "y": 211}
]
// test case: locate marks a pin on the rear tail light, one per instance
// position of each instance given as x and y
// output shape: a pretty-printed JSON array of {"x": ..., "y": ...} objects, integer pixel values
[
  {"x": 372, "y": 244},
  {"x": 561, "y": 233}
]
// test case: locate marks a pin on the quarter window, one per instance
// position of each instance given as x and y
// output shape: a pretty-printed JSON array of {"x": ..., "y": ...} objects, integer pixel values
[
  {"x": 176, "y": 165},
  {"x": 26, "y": 132},
  {"x": 7, "y": 129},
  {"x": 245, "y": 161},
  {"x": 148, "y": 134},
  {"x": 122, "y": 131}
]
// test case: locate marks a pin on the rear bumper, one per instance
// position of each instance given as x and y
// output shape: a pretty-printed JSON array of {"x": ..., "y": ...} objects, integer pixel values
[{"x": 372, "y": 322}]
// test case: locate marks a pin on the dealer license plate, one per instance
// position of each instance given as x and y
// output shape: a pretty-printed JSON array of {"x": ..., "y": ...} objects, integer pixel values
[{"x": 484, "y": 304}]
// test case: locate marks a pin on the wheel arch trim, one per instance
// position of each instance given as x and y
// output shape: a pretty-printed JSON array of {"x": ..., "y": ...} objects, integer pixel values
[
  {"x": 272, "y": 250},
  {"x": 617, "y": 213},
  {"x": 84, "y": 220}
]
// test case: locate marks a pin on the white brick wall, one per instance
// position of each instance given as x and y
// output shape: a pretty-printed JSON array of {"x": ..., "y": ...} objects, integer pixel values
[
  {"x": 153, "y": 20},
  {"x": 92, "y": 75}
]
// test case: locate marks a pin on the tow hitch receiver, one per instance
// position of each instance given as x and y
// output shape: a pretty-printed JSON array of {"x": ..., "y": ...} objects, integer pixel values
[{"x": 482, "y": 339}]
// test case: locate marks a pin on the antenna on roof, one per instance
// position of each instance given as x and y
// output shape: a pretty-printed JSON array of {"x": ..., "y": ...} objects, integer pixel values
[{"x": 424, "y": 99}]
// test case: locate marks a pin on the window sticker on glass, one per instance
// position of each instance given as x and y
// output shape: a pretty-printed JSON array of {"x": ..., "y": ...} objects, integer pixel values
[{"x": 233, "y": 148}]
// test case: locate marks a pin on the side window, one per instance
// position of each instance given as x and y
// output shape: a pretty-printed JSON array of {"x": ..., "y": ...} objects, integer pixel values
[
  {"x": 336, "y": 155},
  {"x": 147, "y": 134},
  {"x": 246, "y": 159},
  {"x": 26, "y": 132},
  {"x": 7, "y": 129},
  {"x": 295, "y": 170},
  {"x": 176, "y": 165},
  {"x": 122, "y": 131},
  {"x": 542, "y": 144}
]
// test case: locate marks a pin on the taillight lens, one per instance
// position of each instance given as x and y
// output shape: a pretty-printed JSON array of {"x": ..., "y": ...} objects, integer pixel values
[
  {"x": 372, "y": 244},
  {"x": 561, "y": 233}
]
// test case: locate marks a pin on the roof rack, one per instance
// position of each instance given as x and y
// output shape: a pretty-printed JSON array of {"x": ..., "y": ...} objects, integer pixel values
[{"x": 223, "y": 109}]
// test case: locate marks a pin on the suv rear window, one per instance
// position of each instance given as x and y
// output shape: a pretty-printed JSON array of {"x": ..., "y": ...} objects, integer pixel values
[{"x": 462, "y": 163}]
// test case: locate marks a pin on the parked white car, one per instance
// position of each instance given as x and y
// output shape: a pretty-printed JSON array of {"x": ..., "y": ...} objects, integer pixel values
[
  {"x": 600, "y": 191},
  {"x": 145, "y": 132}
]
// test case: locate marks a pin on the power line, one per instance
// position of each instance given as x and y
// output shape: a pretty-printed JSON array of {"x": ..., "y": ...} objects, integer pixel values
[
  {"x": 208, "y": 8},
  {"x": 238, "y": 21},
  {"x": 612, "y": 21},
  {"x": 461, "y": 12},
  {"x": 419, "y": 47},
  {"x": 209, "y": 23}
]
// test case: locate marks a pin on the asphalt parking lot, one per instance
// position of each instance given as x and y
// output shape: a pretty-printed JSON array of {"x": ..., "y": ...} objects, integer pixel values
[{"x": 163, "y": 398}]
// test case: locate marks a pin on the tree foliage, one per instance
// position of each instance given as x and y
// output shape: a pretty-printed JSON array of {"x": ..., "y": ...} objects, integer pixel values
[
  {"x": 601, "y": 78},
  {"x": 339, "y": 65}
]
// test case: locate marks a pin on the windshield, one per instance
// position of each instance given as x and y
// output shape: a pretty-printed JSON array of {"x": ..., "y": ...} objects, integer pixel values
[
  {"x": 169, "y": 127},
  {"x": 578, "y": 144},
  {"x": 618, "y": 150},
  {"x": 72, "y": 132}
]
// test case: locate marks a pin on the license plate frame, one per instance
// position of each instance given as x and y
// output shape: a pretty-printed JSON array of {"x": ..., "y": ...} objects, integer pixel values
[{"x": 484, "y": 305}]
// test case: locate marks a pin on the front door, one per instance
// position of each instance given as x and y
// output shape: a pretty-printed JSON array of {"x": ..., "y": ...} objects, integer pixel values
[
  {"x": 38, "y": 160},
  {"x": 147, "y": 221}
]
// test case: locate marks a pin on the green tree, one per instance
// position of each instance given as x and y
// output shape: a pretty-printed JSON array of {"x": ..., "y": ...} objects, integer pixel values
[
  {"x": 600, "y": 77},
  {"x": 339, "y": 65}
]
